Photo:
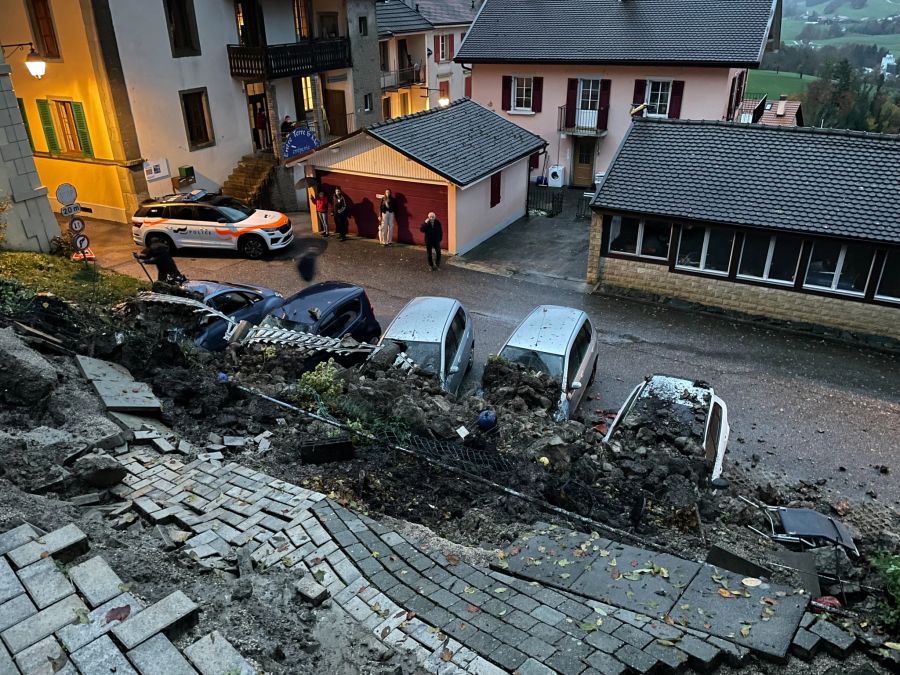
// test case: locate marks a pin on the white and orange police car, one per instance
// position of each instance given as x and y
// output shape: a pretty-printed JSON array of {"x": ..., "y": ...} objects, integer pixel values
[{"x": 202, "y": 220}]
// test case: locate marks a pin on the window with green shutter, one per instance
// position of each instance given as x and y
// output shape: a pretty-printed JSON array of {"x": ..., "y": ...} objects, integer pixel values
[
  {"x": 25, "y": 122},
  {"x": 46, "y": 117},
  {"x": 81, "y": 128}
]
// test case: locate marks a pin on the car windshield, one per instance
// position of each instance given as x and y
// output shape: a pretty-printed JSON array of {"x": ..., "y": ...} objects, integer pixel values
[
  {"x": 237, "y": 205},
  {"x": 551, "y": 364},
  {"x": 426, "y": 355},
  {"x": 233, "y": 215}
]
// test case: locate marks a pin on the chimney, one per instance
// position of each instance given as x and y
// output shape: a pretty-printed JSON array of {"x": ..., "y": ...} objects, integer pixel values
[{"x": 782, "y": 106}]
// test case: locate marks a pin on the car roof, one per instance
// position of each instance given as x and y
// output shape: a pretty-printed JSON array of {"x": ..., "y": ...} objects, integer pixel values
[
  {"x": 208, "y": 287},
  {"x": 321, "y": 295},
  {"x": 676, "y": 389},
  {"x": 423, "y": 319},
  {"x": 548, "y": 328}
]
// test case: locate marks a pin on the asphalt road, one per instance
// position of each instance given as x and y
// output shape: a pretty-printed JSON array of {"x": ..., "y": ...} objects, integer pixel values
[{"x": 805, "y": 406}]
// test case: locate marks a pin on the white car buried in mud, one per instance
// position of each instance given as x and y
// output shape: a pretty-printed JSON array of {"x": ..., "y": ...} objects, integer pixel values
[
  {"x": 675, "y": 408},
  {"x": 202, "y": 220}
]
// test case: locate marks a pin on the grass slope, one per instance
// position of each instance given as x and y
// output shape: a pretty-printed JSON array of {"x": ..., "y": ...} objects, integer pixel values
[{"x": 775, "y": 84}]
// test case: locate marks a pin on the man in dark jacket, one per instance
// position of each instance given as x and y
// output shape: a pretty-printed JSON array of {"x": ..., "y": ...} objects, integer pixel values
[
  {"x": 341, "y": 213},
  {"x": 159, "y": 255},
  {"x": 433, "y": 235}
]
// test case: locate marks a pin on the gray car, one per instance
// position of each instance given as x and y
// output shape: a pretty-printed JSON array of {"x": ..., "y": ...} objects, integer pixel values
[
  {"x": 439, "y": 338},
  {"x": 558, "y": 341}
]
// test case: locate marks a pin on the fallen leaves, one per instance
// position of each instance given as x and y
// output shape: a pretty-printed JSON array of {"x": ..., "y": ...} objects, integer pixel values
[
  {"x": 469, "y": 590},
  {"x": 725, "y": 593},
  {"x": 446, "y": 655},
  {"x": 745, "y": 630},
  {"x": 501, "y": 589},
  {"x": 452, "y": 559}
]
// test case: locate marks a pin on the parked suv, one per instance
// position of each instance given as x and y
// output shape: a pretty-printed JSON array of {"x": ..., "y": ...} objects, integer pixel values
[{"x": 202, "y": 220}]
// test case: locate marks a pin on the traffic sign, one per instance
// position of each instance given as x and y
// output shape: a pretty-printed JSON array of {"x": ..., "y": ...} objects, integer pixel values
[
  {"x": 66, "y": 194},
  {"x": 70, "y": 209},
  {"x": 80, "y": 242},
  {"x": 76, "y": 225}
]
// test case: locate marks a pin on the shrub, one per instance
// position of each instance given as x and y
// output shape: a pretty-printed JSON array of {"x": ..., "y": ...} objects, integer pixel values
[
  {"x": 319, "y": 387},
  {"x": 888, "y": 566}
]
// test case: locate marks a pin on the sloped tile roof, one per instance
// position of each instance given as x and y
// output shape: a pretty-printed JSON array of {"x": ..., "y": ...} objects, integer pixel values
[
  {"x": 791, "y": 115},
  {"x": 463, "y": 142},
  {"x": 796, "y": 179},
  {"x": 394, "y": 17},
  {"x": 449, "y": 12},
  {"x": 696, "y": 32}
]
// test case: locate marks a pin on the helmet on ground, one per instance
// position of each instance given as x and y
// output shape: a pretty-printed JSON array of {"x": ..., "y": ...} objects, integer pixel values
[{"x": 487, "y": 420}]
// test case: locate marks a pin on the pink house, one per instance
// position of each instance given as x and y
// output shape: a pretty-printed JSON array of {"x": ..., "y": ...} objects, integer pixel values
[{"x": 575, "y": 71}]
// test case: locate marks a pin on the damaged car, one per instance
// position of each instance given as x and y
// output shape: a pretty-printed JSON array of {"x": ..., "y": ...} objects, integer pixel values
[
  {"x": 241, "y": 302},
  {"x": 560, "y": 342},
  {"x": 680, "y": 410},
  {"x": 438, "y": 337},
  {"x": 330, "y": 308}
]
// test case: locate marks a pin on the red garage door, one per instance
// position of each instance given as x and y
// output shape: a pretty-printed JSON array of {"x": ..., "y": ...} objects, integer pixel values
[{"x": 414, "y": 201}]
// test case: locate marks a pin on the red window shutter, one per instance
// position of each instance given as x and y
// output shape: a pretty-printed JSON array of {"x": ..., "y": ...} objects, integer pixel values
[
  {"x": 444, "y": 88},
  {"x": 534, "y": 161},
  {"x": 571, "y": 102},
  {"x": 742, "y": 77},
  {"x": 437, "y": 48},
  {"x": 640, "y": 92},
  {"x": 506, "y": 94},
  {"x": 537, "y": 94},
  {"x": 450, "y": 47},
  {"x": 495, "y": 189},
  {"x": 675, "y": 100},
  {"x": 468, "y": 87},
  {"x": 732, "y": 99},
  {"x": 462, "y": 36},
  {"x": 603, "y": 108}
]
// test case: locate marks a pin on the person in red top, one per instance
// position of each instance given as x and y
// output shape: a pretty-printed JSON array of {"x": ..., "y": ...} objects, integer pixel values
[{"x": 321, "y": 204}]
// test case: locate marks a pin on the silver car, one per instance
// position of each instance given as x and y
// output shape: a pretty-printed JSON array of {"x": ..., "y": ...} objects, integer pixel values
[
  {"x": 558, "y": 341},
  {"x": 439, "y": 338}
]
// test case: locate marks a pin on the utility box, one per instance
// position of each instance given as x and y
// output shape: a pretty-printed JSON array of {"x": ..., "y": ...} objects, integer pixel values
[{"x": 186, "y": 174}]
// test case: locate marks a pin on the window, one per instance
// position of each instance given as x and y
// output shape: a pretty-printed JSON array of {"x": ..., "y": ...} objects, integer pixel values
[
  {"x": 229, "y": 303},
  {"x": 467, "y": 87},
  {"x": 635, "y": 236},
  {"x": 839, "y": 267},
  {"x": 444, "y": 88},
  {"x": 343, "y": 317},
  {"x": 197, "y": 121},
  {"x": 307, "y": 86},
  {"x": 889, "y": 284},
  {"x": 658, "y": 94},
  {"x": 182, "y": 24},
  {"x": 363, "y": 25},
  {"x": 42, "y": 28},
  {"x": 579, "y": 351},
  {"x": 386, "y": 108},
  {"x": 589, "y": 99},
  {"x": 383, "y": 56},
  {"x": 769, "y": 258},
  {"x": 444, "y": 48},
  {"x": 301, "y": 20},
  {"x": 328, "y": 25},
  {"x": 454, "y": 339},
  {"x": 705, "y": 248},
  {"x": 65, "y": 127},
  {"x": 207, "y": 214},
  {"x": 367, "y": 102},
  {"x": 495, "y": 189},
  {"x": 522, "y": 90}
]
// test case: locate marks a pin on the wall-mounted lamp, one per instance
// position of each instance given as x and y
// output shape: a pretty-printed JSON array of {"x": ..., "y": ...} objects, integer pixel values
[{"x": 33, "y": 61}]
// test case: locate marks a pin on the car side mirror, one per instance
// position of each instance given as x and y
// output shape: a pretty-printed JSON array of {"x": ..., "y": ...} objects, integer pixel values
[
  {"x": 575, "y": 385},
  {"x": 454, "y": 370}
]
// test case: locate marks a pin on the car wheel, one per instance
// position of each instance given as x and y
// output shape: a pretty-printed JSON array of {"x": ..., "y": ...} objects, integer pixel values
[
  {"x": 593, "y": 372},
  {"x": 252, "y": 246},
  {"x": 160, "y": 240}
]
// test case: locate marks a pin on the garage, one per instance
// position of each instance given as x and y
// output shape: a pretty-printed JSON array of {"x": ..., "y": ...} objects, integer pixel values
[{"x": 464, "y": 162}]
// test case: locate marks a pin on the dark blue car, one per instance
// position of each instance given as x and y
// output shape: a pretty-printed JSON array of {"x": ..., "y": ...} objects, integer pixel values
[
  {"x": 333, "y": 309},
  {"x": 239, "y": 301}
]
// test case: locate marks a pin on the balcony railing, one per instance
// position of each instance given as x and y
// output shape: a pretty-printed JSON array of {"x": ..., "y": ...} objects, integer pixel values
[
  {"x": 405, "y": 77},
  {"x": 288, "y": 60},
  {"x": 579, "y": 122}
]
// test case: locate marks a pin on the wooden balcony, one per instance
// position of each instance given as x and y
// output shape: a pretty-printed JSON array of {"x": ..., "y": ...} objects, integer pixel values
[{"x": 293, "y": 59}]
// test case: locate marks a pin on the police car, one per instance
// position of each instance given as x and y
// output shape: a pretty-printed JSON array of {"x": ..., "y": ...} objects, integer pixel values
[{"x": 202, "y": 220}]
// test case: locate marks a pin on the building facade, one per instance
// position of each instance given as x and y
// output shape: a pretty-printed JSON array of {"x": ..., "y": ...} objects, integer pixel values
[
  {"x": 575, "y": 72},
  {"x": 754, "y": 219},
  {"x": 144, "y": 97}
]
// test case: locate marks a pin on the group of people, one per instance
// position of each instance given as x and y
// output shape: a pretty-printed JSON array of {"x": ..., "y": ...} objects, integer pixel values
[{"x": 387, "y": 219}]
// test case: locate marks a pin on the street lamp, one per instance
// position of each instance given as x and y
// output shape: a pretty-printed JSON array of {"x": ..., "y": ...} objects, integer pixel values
[
  {"x": 33, "y": 61},
  {"x": 443, "y": 101}
]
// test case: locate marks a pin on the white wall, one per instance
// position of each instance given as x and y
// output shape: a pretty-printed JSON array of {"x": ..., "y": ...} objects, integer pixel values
[
  {"x": 278, "y": 17},
  {"x": 476, "y": 221},
  {"x": 447, "y": 70},
  {"x": 154, "y": 79}
]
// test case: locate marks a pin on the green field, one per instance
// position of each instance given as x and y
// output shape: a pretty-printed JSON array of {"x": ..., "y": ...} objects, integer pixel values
[{"x": 775, "y": 84}]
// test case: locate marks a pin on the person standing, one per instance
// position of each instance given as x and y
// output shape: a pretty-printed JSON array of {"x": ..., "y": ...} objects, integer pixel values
[
  {"x": 434, "y": 232},
  {"x": 262, "y": 132},
  {"x": 321, "y": 205},
  {"x": 341, "y": 213},
  {"x": 388, "y": 218},
  {"x": 158, "y": 254}
]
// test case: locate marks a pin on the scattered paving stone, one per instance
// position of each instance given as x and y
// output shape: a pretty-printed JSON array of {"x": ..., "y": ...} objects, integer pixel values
[
  {"x": 805, "y": 644},
  {"x": 45, "y": 583},
  {"x": 835, "y": 639},
  {"x": 63, "y": 544},
  {"x": 16, "y": 610},
  {"x": 87, "y": 499},
  {"x": 606, "y": 664},
  {"x": 636, "y": 659},
  {"x": 44, "y": 623},
  {"x": 102, "y": 656},
  {"x": 214, "y": 655},
  {"x": 46, "y": 656},
  {"x": 158, "y": 656},
  {"x": 10, "y": 586},
  {"x": 96, "y": 581},
  {"x": 16, "y": 537},
  {"x": 171, "y": 610},
  {"x": 99, "y": 622},
  {"x": 702, "y": 655}
]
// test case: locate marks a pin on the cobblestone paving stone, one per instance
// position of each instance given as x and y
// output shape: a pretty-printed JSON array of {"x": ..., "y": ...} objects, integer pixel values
[
  {"x": 531, "y": 612},
  {"x": 46, "y": 624}
]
